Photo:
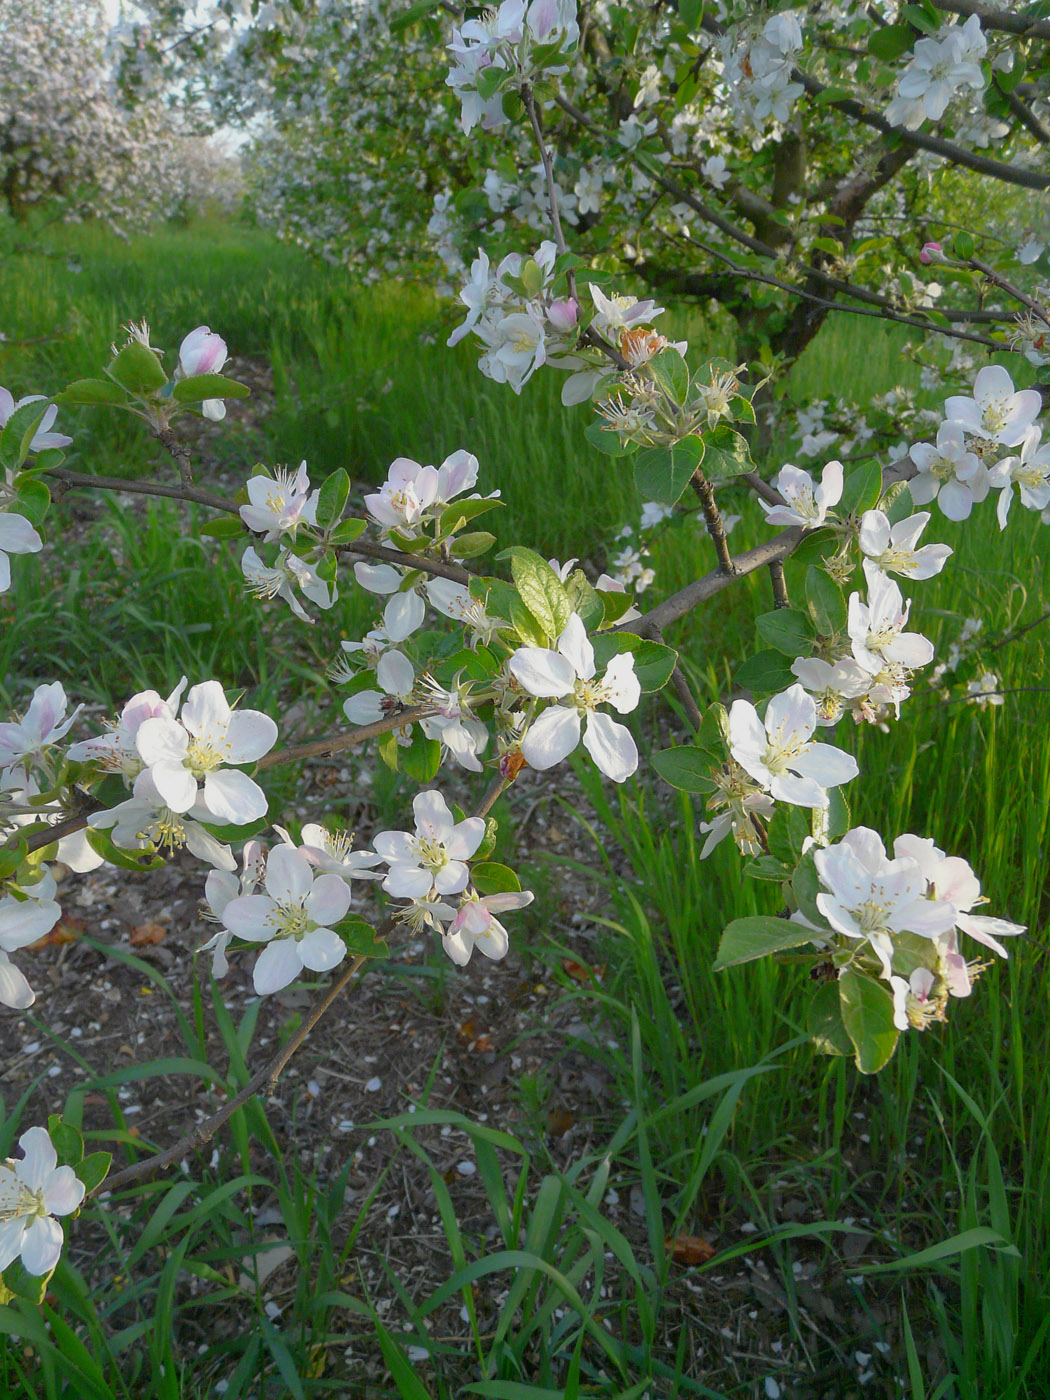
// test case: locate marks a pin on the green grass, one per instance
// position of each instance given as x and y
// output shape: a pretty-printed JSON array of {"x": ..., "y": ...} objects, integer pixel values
[{"x": 957, "y": 1124}]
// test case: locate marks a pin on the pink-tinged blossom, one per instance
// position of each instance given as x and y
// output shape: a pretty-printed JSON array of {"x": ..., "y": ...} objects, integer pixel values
[
  {"x": 949, "y": 473},
  {"x": 432, "y": 860},
  {"x": 951, "y": 878},
  {"x": 876, "y": 628},
  {"x": 619, "y": 313},
  {"x": 17, "y": 536},
  {"x": 564, "y": 315},
  {"x": 293, "y": 918},
  {"x": 913, "y": 1006},
  {"x": 931, "y": 252},
  {"x": 1029, "y": 473},
  {"x": 569, "y": 674},
  {"x": 43, "y": 439},
  {"x": 779, "y": 751},
  {"x": 805, "y": 504},
  {"x": 996, "y": 411},
  {"x": 44, "y": 723},
  {"x": 870, "y": 897},
  {"x": 895, "y": 549},
  {"x": 476, "y": 926},
  {"x": 280, "y": 504},
  {"x": 195, "y": 749},
  {"x": 203, "y": 352},
  {"x": 33, "y": 1190},
  {"x": 115, "y": 751}
]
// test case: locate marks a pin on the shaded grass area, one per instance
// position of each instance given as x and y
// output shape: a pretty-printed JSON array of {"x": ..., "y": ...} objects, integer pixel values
[{"x": 950, "y": 1138}]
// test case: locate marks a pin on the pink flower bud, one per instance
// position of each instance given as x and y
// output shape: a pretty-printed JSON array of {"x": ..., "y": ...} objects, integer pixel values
[
  {"x": 931, "y": 252},
  {"x": 563, "y": 315},
  {"x": 202, "y": 352}
]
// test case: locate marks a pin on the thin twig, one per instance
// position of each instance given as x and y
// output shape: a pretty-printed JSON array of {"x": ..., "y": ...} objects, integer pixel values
[
  {"x": 780, "y": 592},
  {"x": 548, "y": 170},
  {"x": 713, "y": 520},
  {"x": 180, "y": 452},
  {"x": 999, "y": 281}
]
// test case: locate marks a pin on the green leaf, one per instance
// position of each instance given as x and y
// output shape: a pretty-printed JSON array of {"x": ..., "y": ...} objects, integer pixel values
[
  {"x": 687, "y": 768},
  {"x": 489, "y": 877},
  {"x": 348, "y": 530},
  {"x": 422, "y": 758},
  {"x": 460, "y": 513},
  {"x": 663, "y": 473},
  {"x": 838, "y": 814},
  {"x": 138, "y": 370},
  {"x": 726, "y": 453},
  {"x": 93, "y": 391},
  {"x": 93, "y": 1169},
  {"x": 767, "y": 868},
  {"x": 867, "y": 1014},
  {"x": 815, "y": 546},
  {"x": 360, "y": 938},
  {"x": 226, "y": 527},
  {"x": 101, "y": 842},
  {"x": 963, "y": 245},
  {"x": 689, "y": 12},
  {"x": 861, "y": 490},
  {"x": 891, "y": 42},
  {"x": 11, "y": 857},
  {"x": 332, "y": 498},
  {"x": 472, "y": 545},
  {"x": 607, "y": 440},
  {"x": 526, "y": 626},
  {"x": 26, "y": 1285},
  {"x": 786, "y": 631},
  {"x": 653, "y": 662},
  {"x": 805, "y": 886},
  {"x": 787, "y": 833},
  {"x": 824, "y": 1024},
  {"x": 32, "y": 499},
  {"x": 977, "y": 1237},
  {"x": 209, "y": 386},
  {"x": 765, "y": 671},
  {"x": 66, "y": 1140},
  {"x": 19, "y": 432},
  {"x": 921, "y": 18},
  {"x": 585, "y": 600},
  {"x": 827, "y": 606},
  {"x": 671, "y": 372},
  {"x": 540, "y": 589},
  {"x": 744, "y": 940}
]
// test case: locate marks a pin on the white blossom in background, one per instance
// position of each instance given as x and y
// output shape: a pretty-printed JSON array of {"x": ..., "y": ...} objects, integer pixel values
[
  {"x": 779, "y": 753},
  {"x": 996, "y": 411},
  {"x": 983, "y": 690},
  {"x": 939, "y": 67},
  {"x": 33, "y": 1190},
  {"x": 280, "y": 504},
  {"x": 757, "y": 71},
  {"x": 475, "y": 925},
  {"x": 949, "y": 473},
  {"x": 569, "y": 674},
  {"x": 805, "y": 504},
  {"x": 293, "y": 919},
  {"x": 24, "y": 742},
  {"x": 17, "y": 536},
  {"x": 870, "y": 897},
  {"x": 1029, "y": 472},
  {"x": 186, "y": 758},
  {"x": 894, "y": 549},
  {"x": 432, "y": 860}
]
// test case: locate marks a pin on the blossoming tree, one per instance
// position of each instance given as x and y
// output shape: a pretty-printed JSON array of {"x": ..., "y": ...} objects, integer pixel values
[{"x": 537, "y": 652}]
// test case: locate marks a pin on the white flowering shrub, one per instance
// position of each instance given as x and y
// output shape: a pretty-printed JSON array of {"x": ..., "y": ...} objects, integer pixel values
[{"x": 536, "y": 659}]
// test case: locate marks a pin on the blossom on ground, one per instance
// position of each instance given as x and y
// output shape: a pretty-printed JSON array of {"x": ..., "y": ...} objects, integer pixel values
[
  {"x": 892, "y": 548},
  {"x": 293, "y": 918},
  {"x": 432, "y": 859},
  {"x": 569, "y": 673},
  {"x": 194, "y": 749},
  {"x": 779, "y": 753},
  {"x": 17, "y": 536},
  {"x": 805, "y": 504},
  {"x": 476, "y": 926},
  {"x": 280, "y": 504},
  {"x": 949, "y": 473},
  {"x": 868, "y": 896},
  {"x": 43, "y": 438},
  {"x": 33, "y": 1190},
  {"x": 996, "y": 411}
]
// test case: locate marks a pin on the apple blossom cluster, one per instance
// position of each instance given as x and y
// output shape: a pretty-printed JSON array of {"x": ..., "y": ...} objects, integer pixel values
[
  {"x": 939, "y": 68},
  {"x": 504, "y": 48},
  {"x": 757, "y": 71}
]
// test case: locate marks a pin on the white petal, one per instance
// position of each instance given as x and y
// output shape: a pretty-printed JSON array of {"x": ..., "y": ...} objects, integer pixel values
[
  {"x": 40, "y": 1158},
  {"x": 573, "y": 645},
  {"x": 611, "y": 745},
  {"x": 63, "y": 1191},
  {"x": 329, "y": 900},
  {"x": 15, "y": 991},
  {"x": 231, "y": 796},
  {"x": 42, "y": 1246},
  {"x": 278, "y": 964},
  {"x": 289, "y": 875},
  {"x": 321, "y": 949},
  {"x": 551, "y": 737},
  {"x": 543, "y": 673},
  {"x": 249, "y": 736},
  {"x": 206, "y": 709}
]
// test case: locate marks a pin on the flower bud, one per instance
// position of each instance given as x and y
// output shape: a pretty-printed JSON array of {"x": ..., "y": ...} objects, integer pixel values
[
  {"x": 563, "y": 315},
  {"x": 932, "y": 252},
  {"x": 202, "y": 352}
]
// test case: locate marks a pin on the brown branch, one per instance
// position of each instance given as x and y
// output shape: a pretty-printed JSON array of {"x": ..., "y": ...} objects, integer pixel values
[
  {"x": 999, "y": 281},
  {"x": 336, "y": 743},
  {"x": 713, "y": 520},
  {"x": 776, "y": 575},
  {"x": 180, "y": 452},
  {"x": 456, "y": 572},
  {"x": 1005, "y": 20}
]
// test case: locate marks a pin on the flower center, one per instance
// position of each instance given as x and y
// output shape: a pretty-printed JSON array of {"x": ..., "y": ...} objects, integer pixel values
[
  {"x": 291, "y": 921},
  {"x": 204, "y": 755},
  {"x": 431, "y": 854}
]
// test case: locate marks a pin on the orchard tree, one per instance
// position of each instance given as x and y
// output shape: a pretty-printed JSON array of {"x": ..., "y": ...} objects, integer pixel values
[{"x": 629, "y": 116}]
